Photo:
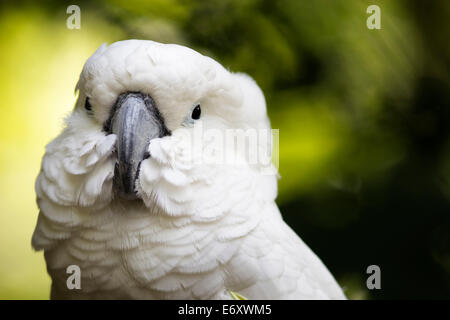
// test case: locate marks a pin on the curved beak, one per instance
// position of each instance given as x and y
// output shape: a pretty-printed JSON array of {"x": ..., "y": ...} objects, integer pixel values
[{"x": 135, "y": 121}]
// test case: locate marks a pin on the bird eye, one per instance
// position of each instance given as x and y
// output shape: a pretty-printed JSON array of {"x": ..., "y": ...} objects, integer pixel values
[
  {"x": 196, "y": 112},
  {"x": 87, "y": 105}
]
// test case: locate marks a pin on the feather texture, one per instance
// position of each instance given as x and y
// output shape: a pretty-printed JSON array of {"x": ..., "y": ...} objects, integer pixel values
[{"x": 202, "y": 229}]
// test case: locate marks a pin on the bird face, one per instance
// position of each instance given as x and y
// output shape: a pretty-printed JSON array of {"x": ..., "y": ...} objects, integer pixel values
[{"x": 123, "y": 140}]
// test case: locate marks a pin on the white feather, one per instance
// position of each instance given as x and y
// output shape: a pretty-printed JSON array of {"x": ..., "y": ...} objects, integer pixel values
[{"x": 202, "y": 229}]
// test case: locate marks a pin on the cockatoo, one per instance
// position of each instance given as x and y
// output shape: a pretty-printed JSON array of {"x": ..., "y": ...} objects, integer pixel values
[{"x": 125, "y": 196}]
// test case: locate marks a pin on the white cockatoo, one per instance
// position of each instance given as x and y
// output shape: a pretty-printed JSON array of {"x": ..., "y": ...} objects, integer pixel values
[{"x": 129, "y": 199}]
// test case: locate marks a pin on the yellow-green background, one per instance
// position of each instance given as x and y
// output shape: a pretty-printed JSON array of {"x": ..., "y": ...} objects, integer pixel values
[{"x": 363, "y": 119}]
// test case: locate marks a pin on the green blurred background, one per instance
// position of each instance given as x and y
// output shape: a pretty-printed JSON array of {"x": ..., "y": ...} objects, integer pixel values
[{"x": 363, "y": 118}]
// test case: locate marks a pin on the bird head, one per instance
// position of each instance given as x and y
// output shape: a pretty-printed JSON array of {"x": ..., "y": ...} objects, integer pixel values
[{"x": 125, "y": 138}]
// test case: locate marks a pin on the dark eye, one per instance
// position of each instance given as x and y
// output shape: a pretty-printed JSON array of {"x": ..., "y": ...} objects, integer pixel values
[
  {"x": 87, "y": 105},
  {"x": 196, "y": 112}
]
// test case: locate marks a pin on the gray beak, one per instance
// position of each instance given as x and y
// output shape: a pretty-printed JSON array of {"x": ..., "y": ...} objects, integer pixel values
[{"x": 135, "y": 121}]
